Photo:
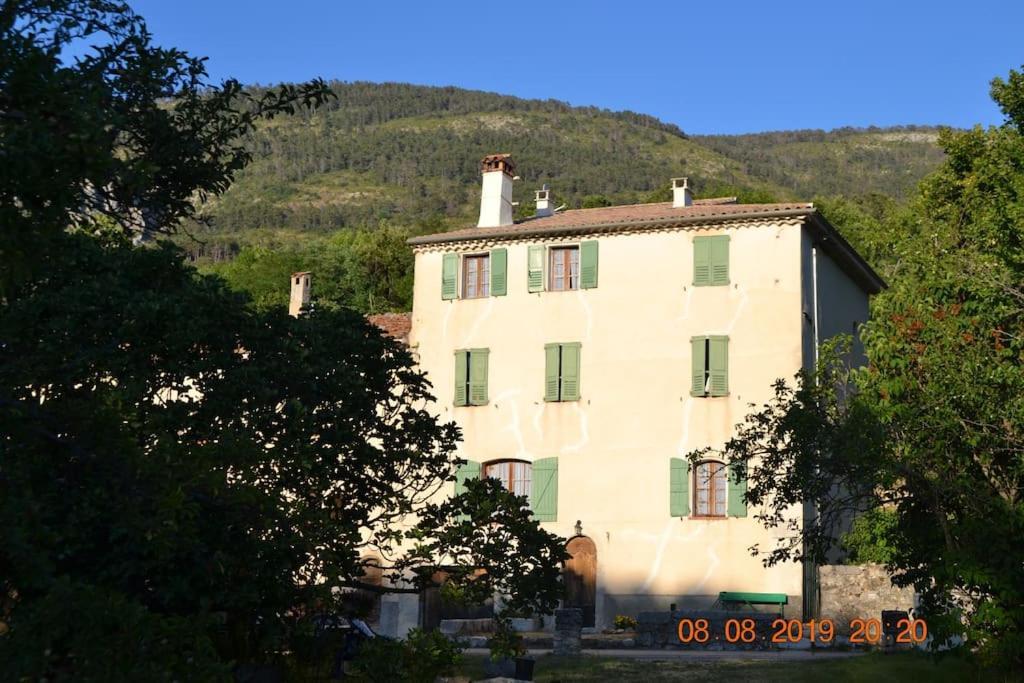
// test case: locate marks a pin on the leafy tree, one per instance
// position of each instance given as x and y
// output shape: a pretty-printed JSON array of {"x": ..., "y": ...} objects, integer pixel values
[
  {"x": 932, "y": 428},
  {"x": 870, "y": 539},
  {"x": 81, "y": 138},
  {"x": 184, "y": 476}
]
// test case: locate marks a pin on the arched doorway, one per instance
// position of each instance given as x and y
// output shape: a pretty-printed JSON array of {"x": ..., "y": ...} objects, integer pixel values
[{"x": 580, "y": 576}]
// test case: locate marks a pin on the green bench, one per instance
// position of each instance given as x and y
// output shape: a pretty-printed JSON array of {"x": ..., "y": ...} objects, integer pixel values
[{"x": 738, "y": 599}]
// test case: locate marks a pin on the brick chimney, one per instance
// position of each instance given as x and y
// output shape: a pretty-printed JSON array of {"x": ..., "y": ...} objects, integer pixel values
[
  {"x": 300, "y": 293},
  {"x": 498, "y": 172},
  {"x": 681, "y": 193},
  {"x": 544, "y": 203}
]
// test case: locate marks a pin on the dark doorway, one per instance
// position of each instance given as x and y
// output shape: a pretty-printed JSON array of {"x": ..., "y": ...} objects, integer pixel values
[{"x": 581, "y": 577}]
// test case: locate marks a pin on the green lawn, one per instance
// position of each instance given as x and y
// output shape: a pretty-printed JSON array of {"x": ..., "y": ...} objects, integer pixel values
[{"x": 912, "y": 667}]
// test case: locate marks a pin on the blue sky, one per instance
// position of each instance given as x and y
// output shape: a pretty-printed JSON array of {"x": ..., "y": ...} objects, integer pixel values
[{"x": 709, "y": 67}]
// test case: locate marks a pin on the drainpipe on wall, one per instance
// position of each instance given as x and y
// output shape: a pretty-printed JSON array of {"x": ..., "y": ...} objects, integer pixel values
[
  {"x": 812, "y": 586},
  {"x": 814, "y": 284}
]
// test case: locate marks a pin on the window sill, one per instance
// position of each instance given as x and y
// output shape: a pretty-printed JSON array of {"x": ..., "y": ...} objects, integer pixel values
[
  {"x": 708, "y": 518},
  {"x": 709, "y": 395}
]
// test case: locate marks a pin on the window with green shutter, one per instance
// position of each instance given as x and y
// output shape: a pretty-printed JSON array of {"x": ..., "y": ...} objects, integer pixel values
[
  {"x": 562, "y": 372},
  {"x": 588, "y": 264},
  {"x": 478, "y": 376},
  {"x": 535, "y": 269},
  {"x": 450, "y": 276},
  {"x": 461, "y": 378},
  {"x": 499, "y": 272},
  {"x": 544, "y": 490},
  {"x": 467, "y": 470},
  {"x": 720, "y": 260},
  {"x": 711, "y": 260},
  {"x": 552, "y": 371},
  {"x": 471, "y": 377},
  {"x": 679, "y": 487},
  {"x": 718, "y": 366},
  {"x": 709, "y": 369}
]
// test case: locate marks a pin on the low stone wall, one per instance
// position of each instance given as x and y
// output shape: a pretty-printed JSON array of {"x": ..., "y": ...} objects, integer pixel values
[
  {"x": 858, "y": 592},
  {"x": 661, "y": 629}
]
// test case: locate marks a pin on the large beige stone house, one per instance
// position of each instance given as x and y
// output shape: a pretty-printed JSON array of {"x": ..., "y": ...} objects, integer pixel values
[{"x": 585, "y": 352}]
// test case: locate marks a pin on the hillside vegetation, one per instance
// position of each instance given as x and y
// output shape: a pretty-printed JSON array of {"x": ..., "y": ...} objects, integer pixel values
[{"x": 406, "y": 157}]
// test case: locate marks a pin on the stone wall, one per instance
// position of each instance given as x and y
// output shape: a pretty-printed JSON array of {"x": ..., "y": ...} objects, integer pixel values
[{"x": 859, "y": 592}]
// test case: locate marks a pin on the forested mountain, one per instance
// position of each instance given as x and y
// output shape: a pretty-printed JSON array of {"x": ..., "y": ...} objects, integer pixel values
[
  {"x": 338, "y": 191},
  {"x": 846, "y": 162},
  {"x": 409, "y": 155}
]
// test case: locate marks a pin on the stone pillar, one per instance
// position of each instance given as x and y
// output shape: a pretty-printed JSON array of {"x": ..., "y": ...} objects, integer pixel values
[{"x": 568, "y": 627}]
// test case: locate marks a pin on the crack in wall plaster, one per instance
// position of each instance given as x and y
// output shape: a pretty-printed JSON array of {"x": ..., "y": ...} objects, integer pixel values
[
  {"x": 584, "y": 432},
  {"x": 513, "y": 425}
]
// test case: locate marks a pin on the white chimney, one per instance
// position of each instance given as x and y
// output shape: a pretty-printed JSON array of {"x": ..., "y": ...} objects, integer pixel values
[
  {"x": 544, "y": 203},
  {"x": 496, "y": 195},
  {"x": 300, "y": 293},
  {"x": 681, "y": 193}
]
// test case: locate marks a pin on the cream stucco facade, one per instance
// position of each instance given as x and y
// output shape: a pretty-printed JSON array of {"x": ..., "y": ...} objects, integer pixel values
[{"x": 635, "y": 409}]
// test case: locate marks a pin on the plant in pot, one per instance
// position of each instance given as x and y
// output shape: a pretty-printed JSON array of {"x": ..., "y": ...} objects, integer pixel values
[{"x": 507, "y": 652}]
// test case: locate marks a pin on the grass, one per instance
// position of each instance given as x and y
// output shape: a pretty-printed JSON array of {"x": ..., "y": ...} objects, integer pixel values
[{"x": 875, "y": 667}]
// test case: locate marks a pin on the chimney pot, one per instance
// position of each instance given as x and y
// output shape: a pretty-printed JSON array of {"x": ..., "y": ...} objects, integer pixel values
[
  {"x": 681, "y": 195},
  {"x": 545, "y": 206},
  {"x": 300, "y": 284}
]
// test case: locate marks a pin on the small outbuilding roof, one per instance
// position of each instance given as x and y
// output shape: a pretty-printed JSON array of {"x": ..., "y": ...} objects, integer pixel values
[{"x": 395, "y": 325}]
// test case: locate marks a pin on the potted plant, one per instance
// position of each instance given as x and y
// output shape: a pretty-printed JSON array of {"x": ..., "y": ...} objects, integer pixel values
[{"x": 507, "y": 652}]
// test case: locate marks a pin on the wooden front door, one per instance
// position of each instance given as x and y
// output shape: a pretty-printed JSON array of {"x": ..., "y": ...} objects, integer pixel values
[{"x": 581, "y": 577}]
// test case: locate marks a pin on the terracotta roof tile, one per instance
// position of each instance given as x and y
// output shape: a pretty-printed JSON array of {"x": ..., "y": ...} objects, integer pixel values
[
  {"x": 395, "y": 325},
  {"x": 621, "y": 217}
]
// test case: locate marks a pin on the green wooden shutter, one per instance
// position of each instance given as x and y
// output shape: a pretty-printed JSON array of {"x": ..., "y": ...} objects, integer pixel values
[
  {"x": 737, "y": 487},
  {"x": 450, "y": 276},
  {"x": 697, "y": 366},
  {"x": 478, "y": 376},
  {"x": 588, "y": 264},
  {"x": 552, "y": 359},
  {"x": 544, "y": 490},
  {"x": 467, "y": 470},
  {"x": 679, "y": 487},
  {"x": 718, "y": 364},
  {"x": 499, "y": 272},
  {"x": 720, "y": 260},
  {"x": 535, "y": 269},
  {"x": 571, "y": 372},
  {"x": 701, "y": 261},
  {"x": 461, "y": 377}
]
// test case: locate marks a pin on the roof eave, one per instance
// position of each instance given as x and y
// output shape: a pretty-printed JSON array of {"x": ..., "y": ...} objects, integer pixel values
[
  {"x": 852, "y": 263},
  {"x": 516, "y": 231}
]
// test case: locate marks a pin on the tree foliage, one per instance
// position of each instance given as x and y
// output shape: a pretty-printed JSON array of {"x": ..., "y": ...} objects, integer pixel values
[
  {"x": 80, "y": 137},
  {"x": 932, "y": 426},
  {"x": 185, "y": 476}
]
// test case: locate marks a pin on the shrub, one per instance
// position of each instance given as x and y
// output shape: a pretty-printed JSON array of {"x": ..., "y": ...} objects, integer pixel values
[
  {"x": 421, "y": 658},
  {"x": 870, "y": 539},
  {"x": 625, "y": 623},
  {"x": 506, "y": 643},
  {"x": 78, "y": 632}
]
